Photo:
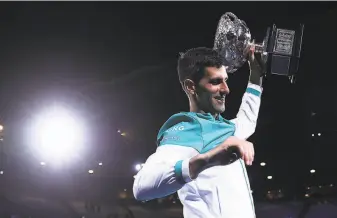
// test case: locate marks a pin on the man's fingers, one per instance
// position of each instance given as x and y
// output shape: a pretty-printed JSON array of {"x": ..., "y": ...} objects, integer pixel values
[
  {"x": 251, "y": 53},
  {"x": 246, "y": 157},
  {"x": 252, "y": 153},
  {"x": 242, "y": 152},
  {"x": 246, "y": 51},
  {"x": 249, "y": 154},
  {"x": 249, "y": 157}
]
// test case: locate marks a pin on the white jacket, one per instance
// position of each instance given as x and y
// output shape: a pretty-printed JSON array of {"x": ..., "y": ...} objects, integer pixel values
[{"x": 218, "y": 191}]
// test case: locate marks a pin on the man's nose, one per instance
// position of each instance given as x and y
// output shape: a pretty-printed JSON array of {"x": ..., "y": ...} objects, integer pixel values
[{"x": 224, "y": 89}]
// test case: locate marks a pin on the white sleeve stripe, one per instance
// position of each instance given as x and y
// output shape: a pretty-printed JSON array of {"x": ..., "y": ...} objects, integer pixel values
[{"x": 186, "y": 170}]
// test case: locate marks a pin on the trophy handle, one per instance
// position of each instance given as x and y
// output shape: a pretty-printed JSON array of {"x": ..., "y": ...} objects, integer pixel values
[
  {"x": 235, "y": 19},
  {"x": 262, "y": 47},
  {"x": 292, "y": 79},
  {"x": 230, "y": 15}
]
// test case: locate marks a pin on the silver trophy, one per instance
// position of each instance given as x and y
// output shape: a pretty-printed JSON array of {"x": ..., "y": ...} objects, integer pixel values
[{"x": 280, "y": 48}]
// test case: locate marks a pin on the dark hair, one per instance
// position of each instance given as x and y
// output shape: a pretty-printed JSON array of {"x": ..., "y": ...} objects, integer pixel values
[{"x": 192, "y": 63}]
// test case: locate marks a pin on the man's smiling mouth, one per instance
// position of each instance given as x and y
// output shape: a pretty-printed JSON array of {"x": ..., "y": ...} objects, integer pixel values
[{"x": 220, "y": 99}]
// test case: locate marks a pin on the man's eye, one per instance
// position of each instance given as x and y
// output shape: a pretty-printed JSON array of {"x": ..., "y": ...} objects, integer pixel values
[{"x": 215, "y": 82}]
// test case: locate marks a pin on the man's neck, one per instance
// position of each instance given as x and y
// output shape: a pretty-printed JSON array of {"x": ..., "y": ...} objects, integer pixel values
[{"x": 198, "y": 110}]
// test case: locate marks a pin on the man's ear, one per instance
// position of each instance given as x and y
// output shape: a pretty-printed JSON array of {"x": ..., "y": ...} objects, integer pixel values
[{"x": 189, "y": 86}]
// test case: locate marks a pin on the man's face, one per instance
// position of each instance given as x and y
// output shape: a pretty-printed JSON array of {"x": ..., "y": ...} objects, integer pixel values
[{"x": 212, "y": 90}]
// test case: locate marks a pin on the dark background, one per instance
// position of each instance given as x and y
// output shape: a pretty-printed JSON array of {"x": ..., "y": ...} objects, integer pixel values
[{"x": 114, "y": 63}]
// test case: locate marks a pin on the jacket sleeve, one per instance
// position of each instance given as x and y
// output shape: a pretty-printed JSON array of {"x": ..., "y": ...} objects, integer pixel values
[
  {"x": 246, "y": 119},
  {"x": 167, "y": 170},
  {"x": 164, "y": 172}
]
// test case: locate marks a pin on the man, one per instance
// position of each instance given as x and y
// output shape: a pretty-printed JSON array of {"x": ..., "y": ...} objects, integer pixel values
[{"x": 193, "y": 155}]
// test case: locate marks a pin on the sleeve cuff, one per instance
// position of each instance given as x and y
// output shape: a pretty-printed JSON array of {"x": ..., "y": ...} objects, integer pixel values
[
  {"x": 182, "y": 171},
  {"x": 254, "y": 89}
]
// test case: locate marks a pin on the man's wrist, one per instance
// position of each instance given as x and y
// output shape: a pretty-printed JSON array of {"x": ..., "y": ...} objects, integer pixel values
[
  {"x": 256, "y": 79},
  {"x": 186, "y": 170},
  {"x": 196, "y": 164},
  {"x": 254, "y": 89}
]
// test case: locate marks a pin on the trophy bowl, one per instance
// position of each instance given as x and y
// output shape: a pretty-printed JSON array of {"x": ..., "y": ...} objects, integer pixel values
[{"x": 231, "y": 39}]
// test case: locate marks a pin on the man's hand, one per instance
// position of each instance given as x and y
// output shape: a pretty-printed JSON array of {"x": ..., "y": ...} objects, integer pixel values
[
  {"x": 220, "y": 155},
  {"x": 257, "y": 65},
  {"x": 245, "y": 148}
]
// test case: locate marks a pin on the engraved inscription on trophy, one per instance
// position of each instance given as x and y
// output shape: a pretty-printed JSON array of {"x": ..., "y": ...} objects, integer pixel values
[{"x": 284, "y": 41}]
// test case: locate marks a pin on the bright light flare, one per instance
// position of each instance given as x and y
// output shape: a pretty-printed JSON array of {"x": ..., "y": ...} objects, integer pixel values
[
  {"x": 139, "y": 166},
  {"x": 58, "y": 135}
]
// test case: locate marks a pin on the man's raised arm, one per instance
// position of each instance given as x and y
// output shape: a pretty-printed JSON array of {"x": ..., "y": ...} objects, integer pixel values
[{"x": 246, "y": 119}]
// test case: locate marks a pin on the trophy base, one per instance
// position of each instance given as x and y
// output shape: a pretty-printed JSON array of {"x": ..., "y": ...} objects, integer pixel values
[{"x": 283, "y": 48}]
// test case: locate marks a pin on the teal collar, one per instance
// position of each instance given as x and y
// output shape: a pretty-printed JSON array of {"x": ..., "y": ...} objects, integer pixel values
[{"x": 209, "y": 116}]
